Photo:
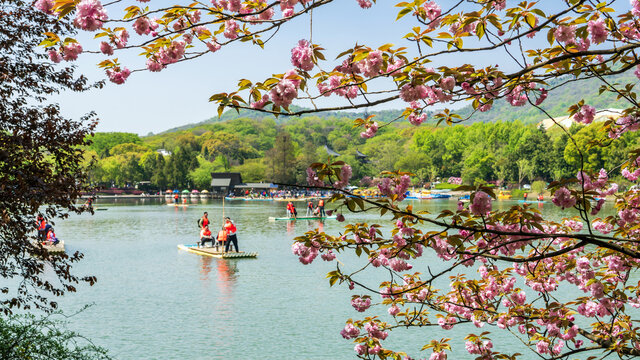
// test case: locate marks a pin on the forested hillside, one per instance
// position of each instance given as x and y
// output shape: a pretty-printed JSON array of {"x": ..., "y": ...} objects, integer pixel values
[{"x": 264, "y": 148}]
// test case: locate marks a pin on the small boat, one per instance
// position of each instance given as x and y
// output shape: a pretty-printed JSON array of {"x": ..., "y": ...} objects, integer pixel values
[
  {"x": 213, "y": 252},
  {"x": 531, "y": 201},
  {"x": 99, "y": 209},
  {"x": 504, "y": 195},
  {"x": 184, "y": 205},
  {"x": 303, "y": 218}
]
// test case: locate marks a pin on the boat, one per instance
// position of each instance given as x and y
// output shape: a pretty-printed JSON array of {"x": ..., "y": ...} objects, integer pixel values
[
  {"x": 204, "y": 194},
  {"x": 428, "y": 195},
  {"x": 184, "y": 205},
  {"x": 531, "y": 201},
  {"x": 504, "y": 195},
  {"x": 213, "y": 252},
  {"x": 271, "y": 218},
  {"x": 247, "y": 198}
]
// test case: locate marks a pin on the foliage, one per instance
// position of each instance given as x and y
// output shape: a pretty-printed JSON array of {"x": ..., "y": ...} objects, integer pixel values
[
  {"x": 40, "y": 159},
  {"x": 535, "y": 49},
  {"x": 25, "y": 337}
]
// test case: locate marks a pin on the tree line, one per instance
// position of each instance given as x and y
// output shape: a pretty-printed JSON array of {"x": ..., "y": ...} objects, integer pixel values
[{"x": 264, "y": 150}]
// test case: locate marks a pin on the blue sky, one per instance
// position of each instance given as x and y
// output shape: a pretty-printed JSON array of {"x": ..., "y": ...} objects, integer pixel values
[{"x": 178, "y": 95}]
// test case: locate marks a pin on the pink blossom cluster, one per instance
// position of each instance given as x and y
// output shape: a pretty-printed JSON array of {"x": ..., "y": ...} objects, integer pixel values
[
  {"x": 635, "y": 8},
  {"x": 455, "y": 180},
  {"x": 213, "y": 46},
  {"x": 410, "y": 93},
  {"x": 302, "y": 56},
  {"x": 585, "y": 115},
  {"x": 106, "y": 48},
  {"x": 499, "y": 4},
  {"x": 370, "y": 130},
  {"x": 480, "y": 203},
  {"x": 563, "y": 198},
  {"x": 90, "y": 15},
  {"x": 479, "y": 347},
  {"x": 439, "y": 355},
  {"x": 118, "y": 75},
  {"x": 416, "y": 117},
  {"x": 393, "y": 67},
  {"x": 598, "y": 31},
  {"x": 566, "y": 34},
  {"x": 286, "y": 90},
  {"x": 335, "y": 86},
  {"x": 624, "y": 124},
  {"x": 144, "y": 26},
  {"x": 517, "y": 96},
  {"x": 372, "y": 64},
  {"x": 361, "y": 303},
  {"x": 365, "y": 4},
  {"x": 447, "y": 83},
  {"x": 70, "y": 52},
  {"x": 46, "y": 6},
  {"x": 390, "y": 187},
  {"x": 345, "y": 175},
  {"x": 313, "y": 179},
  {"x": 374, "y": 331},
  {"x": 328, "y": 256},
  {"x": 350, "y": 331},
  {"x": 167, "y": 55},
  {"x": 306, "y": 254},
  {"x": 432, "y": 13},
  {"x": 54, "y": 56},
  {"x": 231, "y": 29}
]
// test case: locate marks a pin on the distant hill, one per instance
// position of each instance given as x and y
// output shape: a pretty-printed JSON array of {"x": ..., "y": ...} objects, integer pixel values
[{"x": 556, "y": 105}]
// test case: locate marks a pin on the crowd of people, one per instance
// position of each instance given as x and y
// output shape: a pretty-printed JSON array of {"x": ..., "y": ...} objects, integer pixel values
[{"x": 225, "y": 238}]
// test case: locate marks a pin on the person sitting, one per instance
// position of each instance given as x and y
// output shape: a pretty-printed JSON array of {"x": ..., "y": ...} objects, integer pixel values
[
  {"x": 205, "y": 236},
  {"x": 51, "y": 237},
  {"x": 222, "y": 238}
]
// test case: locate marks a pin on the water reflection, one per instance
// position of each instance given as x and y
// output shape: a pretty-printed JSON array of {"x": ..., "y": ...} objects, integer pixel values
[
  {"x": 205, "y": 267},
  {"x": 291, "y": 227}
]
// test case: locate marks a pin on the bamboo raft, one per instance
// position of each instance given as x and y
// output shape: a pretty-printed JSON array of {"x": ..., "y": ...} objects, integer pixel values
[
  {"x": 183, "y": 205},
  {"x": 59, "y": 248},
  {"x": 213, "y": 252}
]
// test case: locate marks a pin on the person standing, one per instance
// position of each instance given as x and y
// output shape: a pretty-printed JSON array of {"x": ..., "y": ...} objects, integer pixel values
[
  {"x": 175, "y": 198},
  {"x": 321, "y": 208},
  {"x": 204, "y": 220},
  {"x": 290, "y": 210},
  {"x": 310, "y": 208},
  {"x": 230, "y": 228}
]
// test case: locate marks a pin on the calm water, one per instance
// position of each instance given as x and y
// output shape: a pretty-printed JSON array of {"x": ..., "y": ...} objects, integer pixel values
[{"x": 153, "y": 301}]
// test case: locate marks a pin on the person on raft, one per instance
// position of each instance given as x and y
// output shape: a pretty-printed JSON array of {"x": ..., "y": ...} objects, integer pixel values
[
  {"x": 205, "y": 236},
  {"x": 204, "y": 220},
  {"x": 43, "y": 227},
  {"x": 310, "y": 208},
  {"x": 230, "y": 229},
  {"x": 291, "y": 210},
  {"x": 51, "y": 237}
]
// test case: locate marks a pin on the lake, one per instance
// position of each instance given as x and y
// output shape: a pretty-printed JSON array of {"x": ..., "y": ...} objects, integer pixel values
[{"x": 153, "y": 301}]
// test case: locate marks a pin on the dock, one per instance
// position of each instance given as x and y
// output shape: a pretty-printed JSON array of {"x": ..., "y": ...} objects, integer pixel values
[
  {"x": 271, "y": 218},
  {"x": 214, "y": 252}
]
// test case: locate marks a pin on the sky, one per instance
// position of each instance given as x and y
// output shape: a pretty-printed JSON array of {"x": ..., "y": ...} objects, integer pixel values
[{"x": 178, "y": 95}]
